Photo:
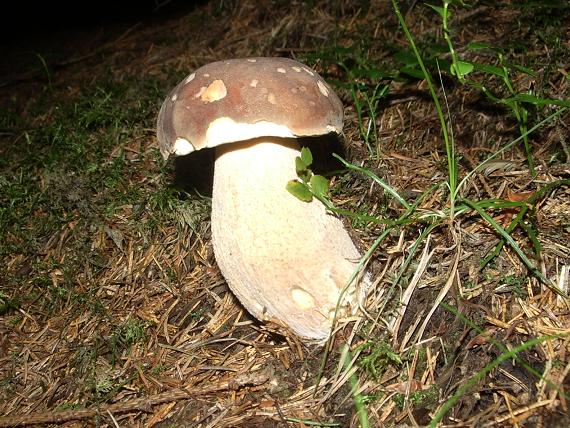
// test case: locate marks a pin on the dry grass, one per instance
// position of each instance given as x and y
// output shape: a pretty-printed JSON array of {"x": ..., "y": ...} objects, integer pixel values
[{"x": 115, "y": 314}]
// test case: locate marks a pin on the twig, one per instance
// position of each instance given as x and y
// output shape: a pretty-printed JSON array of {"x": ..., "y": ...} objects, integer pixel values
[{"x": 143, "y": 404}]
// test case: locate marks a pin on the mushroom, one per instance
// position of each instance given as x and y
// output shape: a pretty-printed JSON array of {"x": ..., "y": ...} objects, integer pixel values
[{"x": 286, "y": 260}]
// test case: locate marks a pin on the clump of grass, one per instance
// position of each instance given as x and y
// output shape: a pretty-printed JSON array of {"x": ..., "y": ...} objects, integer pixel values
[
  {"x": 8, "y": 303},
  {"x": 81, "y": 191},
  {"x": 366, "y": 82},
  {"x": 419, "y": 399},
  {"x": 310, "y": 185},
  {"x": 374, "y": 355},
  {"x": 73, "y": 167},
  {"x": 125, "y": 335},
  {"x": 499, "y": 74}
]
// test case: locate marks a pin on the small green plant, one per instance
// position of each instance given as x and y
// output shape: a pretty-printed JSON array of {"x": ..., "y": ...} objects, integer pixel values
[
  {"x": 158, "y": 370},
  {"x": 103, "y": 386},
  {"x": 129, "y": 333},
  {"x": 366, "y": 101},
  {"x": 377, "y": 357},
  {"x": 516, "y": 284},
  {"x": 59, "y": 295},
  {"x": 309, "y": 185},
  {"x": 422, "y": 398},
  {"x": 67, "y": 406},
  {"x": 8, "y": 304},
  {"x": 452, "y": 167},
  {"x": 518, "y": 101}
]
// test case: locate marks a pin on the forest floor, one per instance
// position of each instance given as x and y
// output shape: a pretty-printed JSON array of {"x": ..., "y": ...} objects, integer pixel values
[{"x": 113, "y": 311}]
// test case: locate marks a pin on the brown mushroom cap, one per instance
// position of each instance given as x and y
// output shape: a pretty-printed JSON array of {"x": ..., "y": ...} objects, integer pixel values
[{"x": 240, "y": 99}]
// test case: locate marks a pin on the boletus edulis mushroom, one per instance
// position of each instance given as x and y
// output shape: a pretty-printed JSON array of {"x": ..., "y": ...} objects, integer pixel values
[{"x": 286, "y": 260}]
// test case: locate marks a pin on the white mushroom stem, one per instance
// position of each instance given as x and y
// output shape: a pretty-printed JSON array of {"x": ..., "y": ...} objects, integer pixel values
[{"x": 286, "y": 260}]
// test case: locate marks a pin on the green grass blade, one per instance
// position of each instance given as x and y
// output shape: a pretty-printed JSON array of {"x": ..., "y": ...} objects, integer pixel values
[
  {"x": 481, "y": 374},
  {"x": 450, "y": 150},
  {"x": 359, "y": 401},
  {"x": 509, "y": 145},
  {"x": 376, "y": 179},
  {"x": 532, "y": 200},
  {"x": 508, "y": 238},
  {"x": 512, "y": 226},
  {"x": 505, "y": 356}
]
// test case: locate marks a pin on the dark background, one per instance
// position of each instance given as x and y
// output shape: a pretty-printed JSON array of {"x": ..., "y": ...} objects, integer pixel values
[
  {"x": 26, "y": 18},
  {"x": 53, "y": 32}
]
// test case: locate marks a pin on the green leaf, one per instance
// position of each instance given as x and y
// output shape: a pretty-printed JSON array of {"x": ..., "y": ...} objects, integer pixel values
[
  {"x": 437, "y": 49},
  {"x": 489, "y": 69},
  {"x": 413, "y": 72},
  {"x": 372, "y": 73},
  {"x": 461, "y": 68},
  {"x": 438, "y": 9},
  {"x": 306, "y": 157},
  {"x": 533, "y": 99},
  {"x": 406, "y": 57},
  {"x": 300, "y": 190},
  {"x": 477, "y": 45},
  {"x": 319, "y": 185},
  {"x": 524, "y": 69},
  {"x": 300, "y": 166}
]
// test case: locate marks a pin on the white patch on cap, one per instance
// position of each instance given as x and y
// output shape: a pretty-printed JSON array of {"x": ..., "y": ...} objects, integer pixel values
[
  {"x": 182, "y": 147},
  {"x": 281, "y": 70},
  {"x": 225, "y": 130},
  {"x": 308, "y": 71},
  {"x": 303, "y": 299},
  {"x": 189, "y": 78},
  {"x": 332, "y": 128},
  {"x": 297, "y": 69},
  {"x": 322, "y": 87},
  {"x": 254, "y": 83},
  {"x": 294, "y": 90},
  {"x": 251, "y": 60},
  {"x": 271, "y": 98},
  {"x": 174, "y": 97},
  {"x": 214, "y": 92},
  {"x": 206, "y": 74}
]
